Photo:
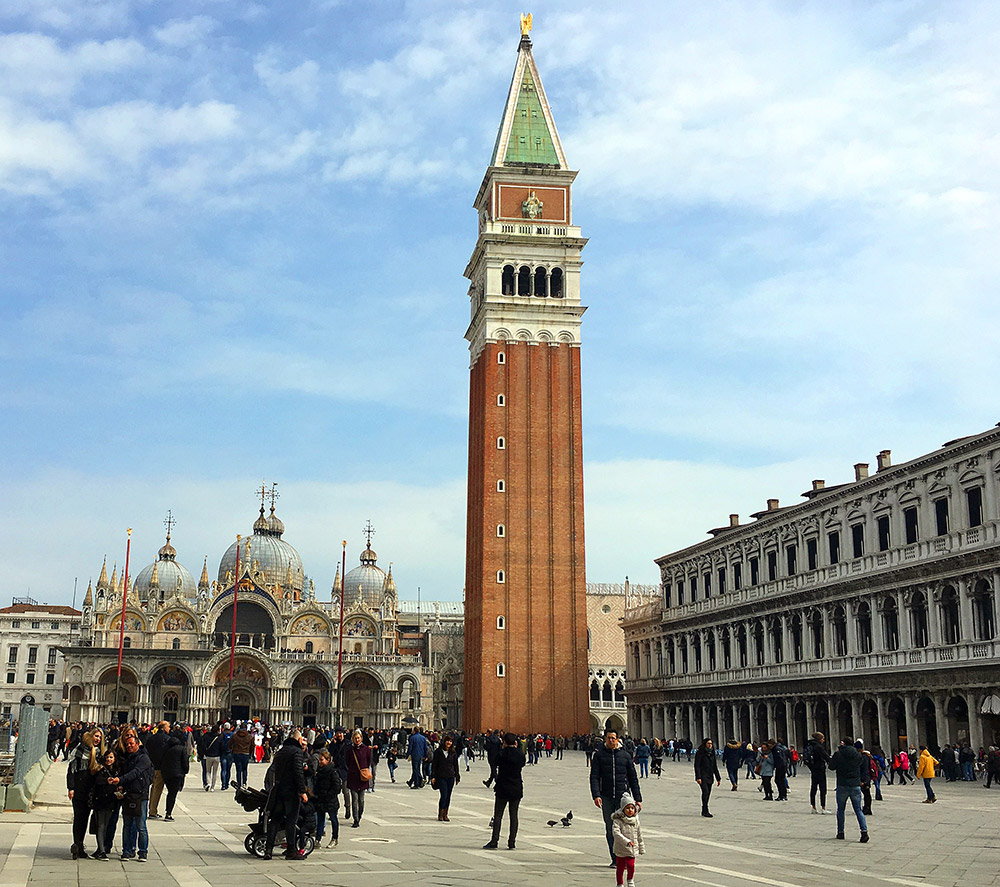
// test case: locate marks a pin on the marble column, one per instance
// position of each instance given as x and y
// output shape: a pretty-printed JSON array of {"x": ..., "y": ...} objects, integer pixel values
[
  {"x": 933, "y": 619},
  {"x": 829, "y": 648},
  {"x": 878, "y": 628},
  {"x": 856, "y": 725},
  {"x": 912, "y": 737},
  {"x": 851, "y": 627},
  {"x": 965, "y": 612},
  {"x": 905, "y": 625},
  {"x": 945, "y": 723},
  {"x": 771, "y": 726},
  {"x": 790, "y": 732},
  {"x": 886, "y": 740},
  {"x": 810, "y": 717},
  {"x": 976, "y": 738},
  {"x": 836, "y": 730}
]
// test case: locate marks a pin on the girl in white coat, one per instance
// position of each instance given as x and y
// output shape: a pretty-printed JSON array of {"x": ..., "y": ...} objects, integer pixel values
[{"x": 628, "y": 840}]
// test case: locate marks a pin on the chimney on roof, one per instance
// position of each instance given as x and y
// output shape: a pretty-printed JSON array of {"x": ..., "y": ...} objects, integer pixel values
[
  {"x": 772, "y": 504},
  {"x": 884, "y": 460},
  {"x": 861, "y": 471},
  {"x": 734, "y": 520},
  {"x": 818, "y": 485}
]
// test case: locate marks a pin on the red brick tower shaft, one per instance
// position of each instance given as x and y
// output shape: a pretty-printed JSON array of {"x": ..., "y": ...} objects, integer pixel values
[{"x": 525, "y": 596}]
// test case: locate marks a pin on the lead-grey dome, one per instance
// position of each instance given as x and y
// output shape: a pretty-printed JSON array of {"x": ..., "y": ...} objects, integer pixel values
[
  {"x": 164, "y": 577},
  {"x": 365, "y": 583},
  {"x": 275, "y": 558}
]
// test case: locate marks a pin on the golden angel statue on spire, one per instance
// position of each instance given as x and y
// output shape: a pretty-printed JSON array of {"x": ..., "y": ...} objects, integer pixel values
[{"x": 525, "y": 24}]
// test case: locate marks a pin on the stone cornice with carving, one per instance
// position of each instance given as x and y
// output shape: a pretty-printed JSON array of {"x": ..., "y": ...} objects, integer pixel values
[{"x": 904, "y": 473}]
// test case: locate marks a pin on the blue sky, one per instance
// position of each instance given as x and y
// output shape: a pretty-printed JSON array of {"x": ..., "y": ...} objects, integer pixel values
[{"x": 234, "y": 236}]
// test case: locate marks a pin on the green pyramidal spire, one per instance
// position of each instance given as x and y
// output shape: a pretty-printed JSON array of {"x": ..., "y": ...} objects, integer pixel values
[{"x": 527, "y": 132}]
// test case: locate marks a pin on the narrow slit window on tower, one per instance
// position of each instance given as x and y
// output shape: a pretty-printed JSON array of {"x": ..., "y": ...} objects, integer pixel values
[
  {"x": 501, "y": 670},
  {"x": 500, "y": 486},
  {"x": 500, "y": 530},
  {"x": 501, "y": 623},
  {"x": 501, "y": 400},
  {"x": 501, "y": 444},
  {"x": 500, "y": 577},
  {"x": 501, "y": 357}
]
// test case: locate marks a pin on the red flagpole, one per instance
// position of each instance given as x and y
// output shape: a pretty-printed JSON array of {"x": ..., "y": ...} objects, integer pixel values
[
  {"x": 121, "y": 622},
  {"x": 232, "y": 639},
  {"x": 340, "y": 640}
]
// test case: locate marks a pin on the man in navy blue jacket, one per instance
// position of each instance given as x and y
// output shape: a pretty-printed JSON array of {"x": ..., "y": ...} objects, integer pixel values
[
  {"x": 416, "y": 751},
  {"x": 612, "y": 774}
]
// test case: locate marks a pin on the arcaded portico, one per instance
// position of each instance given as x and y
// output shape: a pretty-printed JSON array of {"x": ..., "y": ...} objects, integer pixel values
[{"x": 870, "y": 609}]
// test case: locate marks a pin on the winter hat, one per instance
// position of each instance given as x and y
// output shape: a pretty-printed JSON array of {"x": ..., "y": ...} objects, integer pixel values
[
  {"x": 626, "y": 800},
  {"x": 858, "y": 744}
]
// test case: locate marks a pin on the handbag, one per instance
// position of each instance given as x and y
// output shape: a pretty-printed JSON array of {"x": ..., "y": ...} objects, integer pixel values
[{"x": 363, "y": 772}]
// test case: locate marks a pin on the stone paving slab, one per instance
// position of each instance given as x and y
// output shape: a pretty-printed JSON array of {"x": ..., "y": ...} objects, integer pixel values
[{"x": 749, "y": 841}]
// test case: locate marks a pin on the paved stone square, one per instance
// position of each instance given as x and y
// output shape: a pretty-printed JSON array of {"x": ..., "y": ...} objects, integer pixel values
[{"x": 953, "y": 842}]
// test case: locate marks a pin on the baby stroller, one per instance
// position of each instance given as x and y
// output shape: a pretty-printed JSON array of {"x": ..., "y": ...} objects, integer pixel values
[{"x": 251, "y": 799}]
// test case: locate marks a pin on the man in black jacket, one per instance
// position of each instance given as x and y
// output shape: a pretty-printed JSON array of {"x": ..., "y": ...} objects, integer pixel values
[
  {"x": 287, "y": 796},
  {"x": 706, "y": 768},
  {"x": 134, "y": 782},
  {"x": 612, "y": 773},
  {"x": 155, "y": 744},
  {"x": 847, "y": 761},
  {"x": 816, "y": 757},
  {"x": 493, "y": 746}
]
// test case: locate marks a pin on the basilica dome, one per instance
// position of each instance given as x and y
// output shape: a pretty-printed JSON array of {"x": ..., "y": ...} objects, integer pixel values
[
  {"x": 366, "y": 583},
  {"x": 164, "y": 577},
  {"x": 274, "y": 557}
]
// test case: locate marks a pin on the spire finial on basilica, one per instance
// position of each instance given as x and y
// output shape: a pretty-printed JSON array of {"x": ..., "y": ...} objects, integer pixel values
[
  {"x": 88, "y": 600},
  {"x": 203, "y": 582},
  {"x": 167, "y": 552},
  {"x": 102, "y": 581}
]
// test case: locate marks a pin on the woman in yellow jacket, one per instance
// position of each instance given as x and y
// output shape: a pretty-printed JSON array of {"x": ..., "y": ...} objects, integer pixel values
[{"x": 925, "y": 771}]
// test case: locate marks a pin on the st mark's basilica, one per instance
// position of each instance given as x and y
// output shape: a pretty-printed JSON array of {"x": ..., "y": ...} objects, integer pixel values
[{"x": 177, "y": 642}]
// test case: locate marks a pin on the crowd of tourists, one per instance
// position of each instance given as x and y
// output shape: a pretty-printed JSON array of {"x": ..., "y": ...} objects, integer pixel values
[{"x": 124, "y": 773}]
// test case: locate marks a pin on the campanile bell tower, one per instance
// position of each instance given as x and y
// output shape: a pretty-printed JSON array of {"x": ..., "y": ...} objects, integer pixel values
[{"x": 525, "y": 585}]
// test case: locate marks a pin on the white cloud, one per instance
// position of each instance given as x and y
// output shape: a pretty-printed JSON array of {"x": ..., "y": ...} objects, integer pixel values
[
  {"x": 34, "y": 65},
  {"x": 70, "y": 15},
  {"x": 417, "y": 528},
  {"x": 130, "y": 130},
  {"x": 37, "y": 154},
  {"x": 184, "y": 32},
  {"x": 301, "y": 82}
]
